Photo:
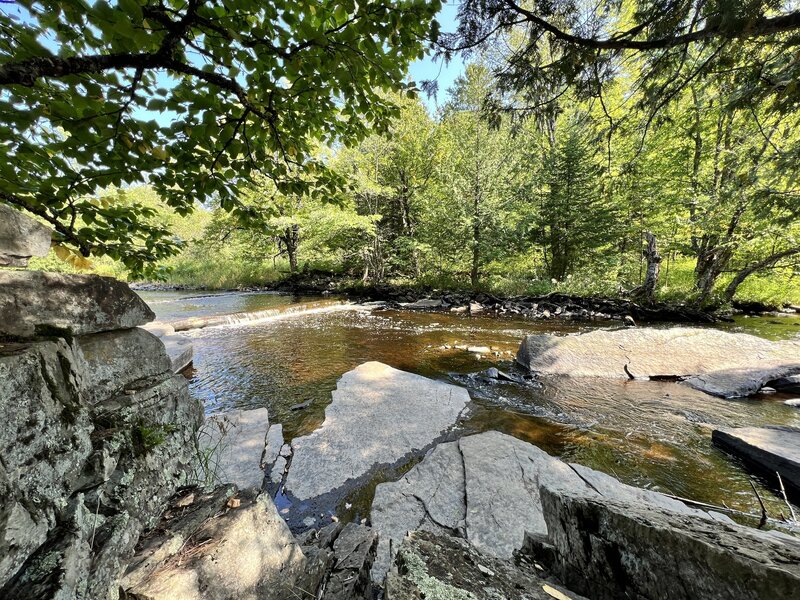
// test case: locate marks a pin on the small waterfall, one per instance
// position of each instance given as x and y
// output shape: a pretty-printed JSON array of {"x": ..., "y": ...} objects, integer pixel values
[{"x": 246, "y": 318}]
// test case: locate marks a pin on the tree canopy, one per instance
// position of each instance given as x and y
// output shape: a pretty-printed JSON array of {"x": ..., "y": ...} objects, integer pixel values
[
  {"x": 194, "y": 97},
  {"x": 556, "y": 45}
]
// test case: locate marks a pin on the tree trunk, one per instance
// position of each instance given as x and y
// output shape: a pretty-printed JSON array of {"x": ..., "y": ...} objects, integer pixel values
[
  {"x": 653, "y": 259},
  {"x": 291, "y": 239},
  {"x": 474, "y": 274},
  {"x": 740, "y": 276}
]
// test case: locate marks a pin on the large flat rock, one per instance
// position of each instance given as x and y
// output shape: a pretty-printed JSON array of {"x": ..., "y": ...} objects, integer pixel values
[
  {"x": 768, "y": 449},
  {"x": 724, "y": 364},
  {"x": 180, "y": 348},
  {"x": 377, "y": 416},
  {"x": 21, "y": 238},
  {"x": 232, "y": 447},
  {"x": 37, "y": 303},
  {"x": 485, "y": 488}
]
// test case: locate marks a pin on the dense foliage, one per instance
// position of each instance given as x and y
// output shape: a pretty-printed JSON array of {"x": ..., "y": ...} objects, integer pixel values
[
  {"x": 620, "y": 147},
  {"x": 564, "y": 201},
  {"x": 196, "y": 97}
]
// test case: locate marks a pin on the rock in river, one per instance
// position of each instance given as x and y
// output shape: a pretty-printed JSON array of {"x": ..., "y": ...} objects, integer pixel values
[
  {"x": 38, "y": 303},
  {"x": 485, "y": 488},
  {"x": 377, "y": 416},
  {"x": 768, "y": 449},
  {"x": 728, "y": 365},
  {"x": 179, "y": 347}
]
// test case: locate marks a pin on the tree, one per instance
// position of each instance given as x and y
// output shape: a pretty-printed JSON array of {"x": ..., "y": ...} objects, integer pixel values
[
  {"x": 573, "y": 220},
  {"x": 287, "y": 224},
  {"x": 391, "y": 174},
  {"x": 585, "y": 44},
  {"x": 194, "y": 97},
  {"x": 476, "y": 176}
]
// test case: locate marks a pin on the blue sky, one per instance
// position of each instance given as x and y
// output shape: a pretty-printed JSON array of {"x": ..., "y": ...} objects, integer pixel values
[{"x": 443, "y": 74}]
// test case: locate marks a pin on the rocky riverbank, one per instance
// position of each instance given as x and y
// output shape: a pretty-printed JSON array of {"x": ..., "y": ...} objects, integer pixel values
[
  {"x": 111, "y": 489},
  {"x": 541, "y": 307},
  {"x": 98, "y": 433}
]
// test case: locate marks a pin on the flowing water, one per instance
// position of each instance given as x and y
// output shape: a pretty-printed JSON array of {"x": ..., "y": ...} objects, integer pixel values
[{"x": 650, "y": 434}]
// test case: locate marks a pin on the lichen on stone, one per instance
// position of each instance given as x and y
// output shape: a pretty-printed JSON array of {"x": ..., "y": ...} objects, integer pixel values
[{"x": 430, "y": 587}]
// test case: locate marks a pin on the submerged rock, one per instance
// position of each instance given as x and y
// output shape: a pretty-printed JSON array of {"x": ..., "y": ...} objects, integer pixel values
[
  {"x": 377, "y": 416},
  {"x": 21, "y": 238},
  {"x": 36, "y": 303},
  {"x": 769, "y": 449},
  {"x": 723, "y": 364},
  {"x": 485, "y": 488}
]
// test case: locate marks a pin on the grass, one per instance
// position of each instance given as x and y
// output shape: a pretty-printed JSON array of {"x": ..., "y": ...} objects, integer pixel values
[
  {"x": 226, "y": 270},
  {"x": 224, "y": 273}
]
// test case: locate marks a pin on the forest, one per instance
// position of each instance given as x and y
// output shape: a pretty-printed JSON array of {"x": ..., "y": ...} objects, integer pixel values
[{"x": 596, "y": 168}]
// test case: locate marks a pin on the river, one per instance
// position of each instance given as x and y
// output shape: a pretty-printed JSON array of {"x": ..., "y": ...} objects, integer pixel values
[{"x": 650, "y": 434}]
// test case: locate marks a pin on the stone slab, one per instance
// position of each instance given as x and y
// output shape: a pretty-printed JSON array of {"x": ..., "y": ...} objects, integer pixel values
[
  {"x": 180, "y": 351},
  {"x": 377, "y": 416},
  {"x": 485, "y": 488},
  {"x": 769, "y": 449},
  {"x": 233, "y": 446},
  {"x": 723, "y": 364},
  {"x": 37, "y": 303},
  {"x": 245, "y": 553},
  {"x": 607, "y": 549},
  {"x": 115, "y": 359}
]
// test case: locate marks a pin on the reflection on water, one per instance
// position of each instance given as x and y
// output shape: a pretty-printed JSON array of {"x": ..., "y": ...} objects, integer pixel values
[{"x": 655, "y": 435}]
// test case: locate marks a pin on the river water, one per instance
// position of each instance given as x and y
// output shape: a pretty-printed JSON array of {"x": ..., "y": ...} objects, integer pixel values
[{"x": 651, "y": 434}]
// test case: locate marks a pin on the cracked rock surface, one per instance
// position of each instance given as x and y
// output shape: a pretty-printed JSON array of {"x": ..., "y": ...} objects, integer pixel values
[
  {"x": 377, "y": 416},
  {"x": 485, "y": 488},
  {"x": 728, "y": 365}
]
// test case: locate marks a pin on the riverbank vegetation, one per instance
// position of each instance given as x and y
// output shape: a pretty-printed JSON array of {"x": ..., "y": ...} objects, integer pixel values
[{"x": 660, "y": 163}]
